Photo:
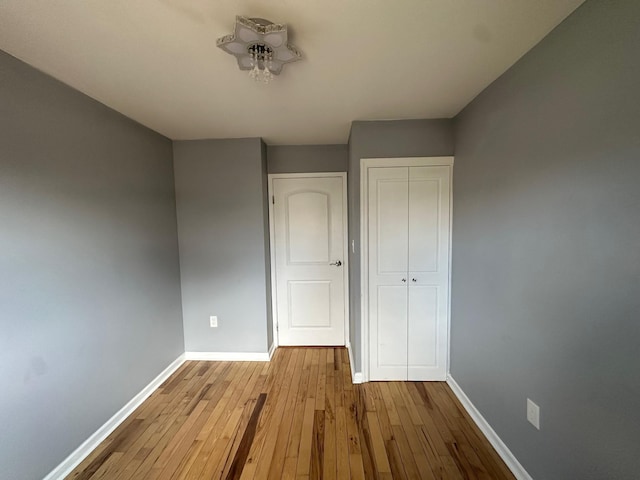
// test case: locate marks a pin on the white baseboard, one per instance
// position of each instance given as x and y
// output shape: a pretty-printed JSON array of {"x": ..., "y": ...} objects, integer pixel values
[
  {"x": 228, "y": 356},
  {"x": 512, "y": 462},
  {"x": 80, "y": 453},
  {"x": 356, "y": 377},
  {"x": 272, "y": 350}
]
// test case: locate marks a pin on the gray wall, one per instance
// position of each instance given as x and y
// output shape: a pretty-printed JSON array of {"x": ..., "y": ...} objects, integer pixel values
[
  {"x": 379, "y": 139},
  {"x": 546, "y": 264},
  {"x": 307, "y": 158},
  {"x": 89, "y": 287},
  {"x": 267, "y": 246},
  {"x": 221, "y": 198}
]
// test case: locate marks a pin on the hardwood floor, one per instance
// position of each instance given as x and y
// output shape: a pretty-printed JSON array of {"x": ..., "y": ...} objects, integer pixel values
[{"x": 298, "y": 417}]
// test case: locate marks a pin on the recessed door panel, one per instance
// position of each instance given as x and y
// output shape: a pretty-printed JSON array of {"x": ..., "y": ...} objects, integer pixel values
[
  {"x": 392, "y": 203},
  {"x": 308, "y": 227},
  {"x": 428, "y": 333},
  {"x": 423, "y": 326},
  {"x": 391, "y": 332},
  {"x": 309, "y": 304},
  {"x": 424, "y": 223}
]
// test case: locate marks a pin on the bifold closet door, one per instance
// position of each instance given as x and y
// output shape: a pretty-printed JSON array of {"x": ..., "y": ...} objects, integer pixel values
[
  {"x": 428, "y": 272},
  {"x": 408, "y": 250},
  {"x": 388, "y": 261}
]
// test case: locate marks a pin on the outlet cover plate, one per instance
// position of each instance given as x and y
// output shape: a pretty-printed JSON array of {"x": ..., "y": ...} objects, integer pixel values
[
  {"x": 213, "y": 321},
  {"x": 533, "y": 413}
]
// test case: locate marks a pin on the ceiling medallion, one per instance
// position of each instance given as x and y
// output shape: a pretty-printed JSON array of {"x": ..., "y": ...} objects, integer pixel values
[{"x": 260, "y": 46}]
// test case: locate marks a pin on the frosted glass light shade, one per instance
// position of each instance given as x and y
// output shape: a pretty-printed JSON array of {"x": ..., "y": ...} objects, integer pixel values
[{"x": 270, "y": 38}]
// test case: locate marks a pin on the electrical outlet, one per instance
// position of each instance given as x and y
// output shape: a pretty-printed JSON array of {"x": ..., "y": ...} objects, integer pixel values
[
  {"x": 213, "y": 321},
  {"x": 533, "y": 413}
]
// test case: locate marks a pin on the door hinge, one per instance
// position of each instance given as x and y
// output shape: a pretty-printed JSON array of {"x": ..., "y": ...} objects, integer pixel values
[{"x": 273, "y": 199}]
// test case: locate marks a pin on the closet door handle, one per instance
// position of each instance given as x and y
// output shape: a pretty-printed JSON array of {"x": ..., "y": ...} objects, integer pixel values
[
  {"x": 336, "y": 263},
  {"x": 404, "y": 280},
  {"x": 414, "y": 280}
]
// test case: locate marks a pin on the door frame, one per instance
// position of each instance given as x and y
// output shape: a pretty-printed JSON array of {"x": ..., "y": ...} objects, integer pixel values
[
  {"x": 365, "y": 164},
  {"x": 345, "y": 246}
]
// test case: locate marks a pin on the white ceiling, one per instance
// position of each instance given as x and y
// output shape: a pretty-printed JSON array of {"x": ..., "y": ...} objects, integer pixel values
[{"x": 156, "y": 61}]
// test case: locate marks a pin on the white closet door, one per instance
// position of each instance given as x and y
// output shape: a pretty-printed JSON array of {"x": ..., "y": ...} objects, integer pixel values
[
  {"x": 388, "y": 256},
  {"x": 428, "y": 296}
]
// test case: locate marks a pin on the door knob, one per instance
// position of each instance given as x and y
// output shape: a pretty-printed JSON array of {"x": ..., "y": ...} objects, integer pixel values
[
  {"x": 404, "y": 280},
  {"x": 337, "y": 263},
  {"x": 414, "y": 279}
]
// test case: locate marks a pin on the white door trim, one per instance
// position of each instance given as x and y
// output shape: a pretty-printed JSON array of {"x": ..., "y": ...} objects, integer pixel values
[
  {"x": 345, "y": 247},
  {"x": 365, "y": 164}
]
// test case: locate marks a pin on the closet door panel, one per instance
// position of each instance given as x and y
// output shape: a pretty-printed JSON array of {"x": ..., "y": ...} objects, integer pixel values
[
  {"x": 388, "y": 260},
  {"x": 429, "y": 223}
]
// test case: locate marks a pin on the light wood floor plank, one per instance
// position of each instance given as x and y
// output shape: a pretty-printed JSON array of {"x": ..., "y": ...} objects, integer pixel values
[
  {"x": 284, "y": 429},
  {"x": 342, "y": 444},
  {"x": 306, "y": 438},
  {"x": 330, "y": 465},
  {"x": 293, "y": 445}
]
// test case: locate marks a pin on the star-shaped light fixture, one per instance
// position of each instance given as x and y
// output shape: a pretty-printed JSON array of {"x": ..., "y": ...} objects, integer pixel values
[{"x": 260, "y": 46}]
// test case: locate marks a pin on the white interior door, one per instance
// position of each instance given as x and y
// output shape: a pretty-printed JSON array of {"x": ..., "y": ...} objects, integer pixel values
[
  {"x": 388, "y": 265},
  {"x": 428, "y": 295},
  {"x": 408, "y": 265},
  {"x": 310, "y": 251}
]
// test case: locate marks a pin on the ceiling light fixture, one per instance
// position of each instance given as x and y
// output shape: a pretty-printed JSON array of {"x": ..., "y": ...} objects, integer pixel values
[{"x": 260, "y": 46}]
